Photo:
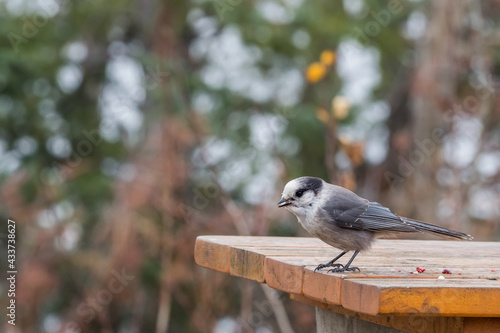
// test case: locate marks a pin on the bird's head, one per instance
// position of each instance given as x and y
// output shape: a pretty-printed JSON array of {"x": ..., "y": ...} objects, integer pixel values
[{"x": 300, "y": 194}]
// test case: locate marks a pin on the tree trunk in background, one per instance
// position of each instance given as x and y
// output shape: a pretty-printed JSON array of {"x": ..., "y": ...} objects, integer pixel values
[
  {"x": 442, "y": 64},
  {"x": 439, "y": 65}
]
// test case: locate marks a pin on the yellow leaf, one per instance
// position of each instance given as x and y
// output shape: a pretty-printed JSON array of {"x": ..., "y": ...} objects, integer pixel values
[
  {"x": 315, "y": 72},
  {"x": 322, "y": 115},
  {"x": 327, "y": 57},
  {"x": 340, "y": 107}
]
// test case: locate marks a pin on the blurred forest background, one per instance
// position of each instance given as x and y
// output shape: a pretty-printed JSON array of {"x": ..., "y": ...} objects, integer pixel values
[{"x": 128, "y": 128}]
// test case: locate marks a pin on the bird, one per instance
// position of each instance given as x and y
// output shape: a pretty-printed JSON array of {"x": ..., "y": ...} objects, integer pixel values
[{"x": 342, "y": 219}]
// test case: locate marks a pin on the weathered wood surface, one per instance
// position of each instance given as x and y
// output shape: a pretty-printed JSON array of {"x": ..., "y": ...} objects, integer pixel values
[
  {"x": 336, "y": 322},
  {"x": 418, "y": 323},
  {"x": 385, "y": 285}
]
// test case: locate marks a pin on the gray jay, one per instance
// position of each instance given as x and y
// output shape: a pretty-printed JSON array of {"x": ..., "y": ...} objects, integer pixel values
[{"x": 344, "y": 220}]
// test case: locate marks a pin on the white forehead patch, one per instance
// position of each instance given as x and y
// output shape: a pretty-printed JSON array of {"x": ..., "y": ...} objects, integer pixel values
[{"x": 290, "y": 188}]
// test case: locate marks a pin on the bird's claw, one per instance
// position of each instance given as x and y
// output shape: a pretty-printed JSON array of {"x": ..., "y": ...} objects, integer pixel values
[
  {"x": 344, "y": 269},
  {"x": 353, "y": 269},
  {"x": 321, "y": 266}
]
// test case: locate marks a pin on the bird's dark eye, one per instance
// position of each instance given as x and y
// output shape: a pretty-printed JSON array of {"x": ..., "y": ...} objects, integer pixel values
[{"x": 299, "y": 193}]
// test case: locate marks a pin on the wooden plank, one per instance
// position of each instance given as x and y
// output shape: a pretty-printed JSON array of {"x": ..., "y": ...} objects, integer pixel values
[
  {"x": 210, "y": 254},
  {"x": 333, "y": 322},
  {"x": 214, "y": 252},
  {"x": 247, "y": 264},
  {"x": 272, "y": 251},
  {"x": 392, "y": 266},
  {"x": 287, "y": 278},
  {"x": 452, "y": 297},
  {"x": 374, "y": 264},
  {"x": 411, "y": 323},
  {"x": 481, "y": 325},
  {"x": 325, "y": 288},
  {"x": 379, "y": 255},
  {"x": 384, "y": 286}
]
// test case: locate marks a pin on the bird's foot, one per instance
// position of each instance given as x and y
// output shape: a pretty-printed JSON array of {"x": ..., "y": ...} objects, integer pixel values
[
  {"x": 344, "y": 269},
  {"x": 352, "y": 269},
  {"x": 330, "y": 264}
]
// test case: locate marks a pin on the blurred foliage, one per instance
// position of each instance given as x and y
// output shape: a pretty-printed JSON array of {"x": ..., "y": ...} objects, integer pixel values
[{"x": 128, "y": 128}]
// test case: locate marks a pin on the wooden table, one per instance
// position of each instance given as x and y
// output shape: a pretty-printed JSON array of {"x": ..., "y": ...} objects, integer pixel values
[{"x": 388, "y": 294}]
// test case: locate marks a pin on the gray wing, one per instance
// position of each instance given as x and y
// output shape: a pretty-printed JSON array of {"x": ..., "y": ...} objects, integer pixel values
[{"x": 370, "y": 216}]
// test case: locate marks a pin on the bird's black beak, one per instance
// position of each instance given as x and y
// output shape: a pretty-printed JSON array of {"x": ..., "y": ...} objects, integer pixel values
[{"x": 284, "y": 202}]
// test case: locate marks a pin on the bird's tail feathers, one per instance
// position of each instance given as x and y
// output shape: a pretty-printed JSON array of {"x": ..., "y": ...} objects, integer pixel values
[{"x": 421, "y": 226}]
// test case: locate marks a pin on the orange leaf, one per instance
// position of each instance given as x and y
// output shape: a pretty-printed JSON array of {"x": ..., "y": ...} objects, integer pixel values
[
  {"x": 322, "y": 115},
  {"x": 327, "y": 57},
  {"x": 315, "y": 72}
]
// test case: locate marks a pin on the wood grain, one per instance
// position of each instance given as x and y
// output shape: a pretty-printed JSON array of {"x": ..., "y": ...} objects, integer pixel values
[
  {"x": 453, "y": 297},
  {"x": 388, "y": 283},
  {"x": 412, "y": 323}
]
